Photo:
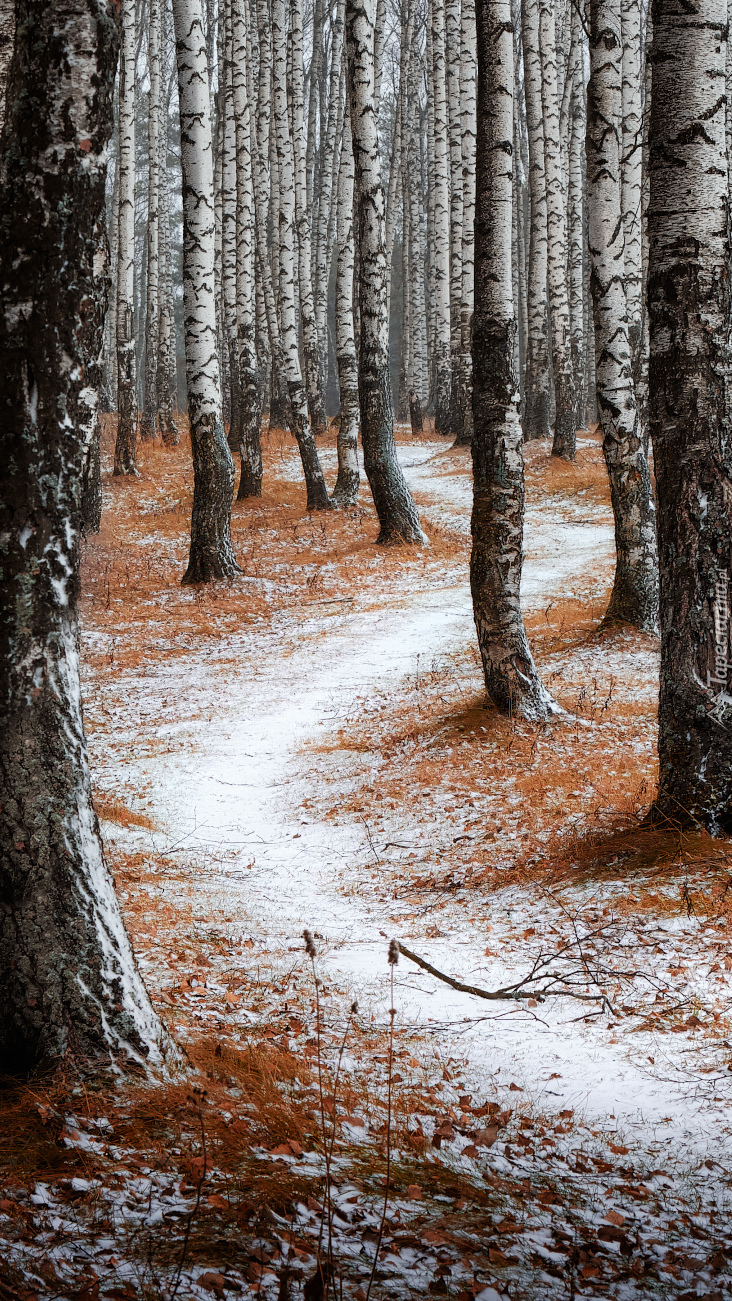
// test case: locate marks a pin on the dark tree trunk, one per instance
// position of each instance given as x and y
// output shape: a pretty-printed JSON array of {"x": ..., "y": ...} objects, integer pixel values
[
  {"x": 498, "y": 467},
  {"x": 689, "y": 408},
  {"x": 91, "y": 487},
  {"x": 69, "y": 985},
  {"x": 415, "y": 413}
]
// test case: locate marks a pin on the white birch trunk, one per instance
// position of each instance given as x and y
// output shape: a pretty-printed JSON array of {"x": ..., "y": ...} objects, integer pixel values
[
  {"x": 167, "y": 371},
  {"x": 536, "y": 418},
  {"x": 246, "y": 435},
  {"x": 313, "y": 339},
  {"x": 347, "y": 483},
  {"x": 565, "y": 432},
  {"x": 632, "y": 175},
  {"x": 148, "y": 423},
  {"x": 453, "y": 52},
  {"x": 464, "y": 414},
  {"x": 398, "y": 518},
  {"x": 125, "y": 447},
  {"x": 211, "y": 554},
  {"x": 322, "y": 244},
  {"x": 511, "y": 680},
  {"x": 575, "y": 219},
  {"x": 443, "y": 376},
  {"x": 634, "y": 598},
  {"x": 317, "y": 496}
]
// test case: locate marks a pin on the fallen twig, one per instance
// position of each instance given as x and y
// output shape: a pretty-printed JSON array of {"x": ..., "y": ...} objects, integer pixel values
[{"x": 512, "y": 993}]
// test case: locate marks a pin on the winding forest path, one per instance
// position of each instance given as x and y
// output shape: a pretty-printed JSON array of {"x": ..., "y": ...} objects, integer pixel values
[{"x": 276, "y": 763}]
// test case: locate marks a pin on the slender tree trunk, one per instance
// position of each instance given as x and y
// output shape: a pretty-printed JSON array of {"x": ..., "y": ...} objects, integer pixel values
[
  {"x": 70, "y": 989},
  {"x": 632, "y": 183},
  {"x": 347, "y": 483},
  {"x": 689, "y": 304},
  {"x": 313, "y": 339},
  {"x": 565, "y": 430},
  {"x": 148, "y": 423},
  {"x": 227, "y": 121},
  {"x": 397, "y": 514},
  {"x": 537, "y": 381},
  {"x": 453, "y": 52},
  {"x": 634, "y": 597},
  {"x": 467, "y": 122},
  {"x": 322, "y": 243},
  {"x": 247, "y": 431},
  {"x": 317, "y": 495},
  {"x": 125, "y": 449},
  {"x": 7, "y": 36},
  {"x": 211, "y": 554},
  {"x": 443, "y": 384},
  {"x": 167, "y": 370},
  {"x": 498, "y": 468},
  {"x": 576, "y": 224}
]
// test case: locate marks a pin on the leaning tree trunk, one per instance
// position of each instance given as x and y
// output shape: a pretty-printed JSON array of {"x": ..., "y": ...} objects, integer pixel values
[
  {"x": 397, "y": 513},
  {"x": 125, "y": 448},
  {"x": 69, "y": 986},
  {"x": 634, "y": 598},
  {"x": 536, "y": 382},
  {"x": 498, "y": 467},
  {"x": 689, "y": 306},
  {"x": 148, "y": 423},
  {"x": 211, "y": 555},
  {"x": 565, "y": 430},
  {"x": 443, "y": 379},
  {"x": 347, "y": 483}
]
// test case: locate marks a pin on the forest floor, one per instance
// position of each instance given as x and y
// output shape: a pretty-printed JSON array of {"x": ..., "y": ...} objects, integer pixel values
[{"x": 310, "y": 747}]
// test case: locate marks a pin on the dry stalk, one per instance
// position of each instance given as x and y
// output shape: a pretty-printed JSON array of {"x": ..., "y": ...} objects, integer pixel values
[{"x": 392, "y": 959}]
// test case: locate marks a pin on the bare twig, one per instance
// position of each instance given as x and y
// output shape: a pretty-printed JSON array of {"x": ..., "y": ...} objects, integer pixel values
[
  {"x": 510, "y": 993},
  {"x": 393, "y": 960}
]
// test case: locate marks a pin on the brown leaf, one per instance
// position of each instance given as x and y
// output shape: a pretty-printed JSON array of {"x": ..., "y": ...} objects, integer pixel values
[
  {"x": 212, "y": 1282},
  {"x": 618, "y": 1150},
  {"x": 414, "y": 1192},
  {"x": 614, "y": 1217}
]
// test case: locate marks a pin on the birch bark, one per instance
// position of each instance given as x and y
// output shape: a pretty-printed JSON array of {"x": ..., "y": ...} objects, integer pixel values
[
  {"x": 498, "y": 468},
  {"x": 565, "y": 430},
  {"x": 167, "y": 395},
  {"x": 317, "y": 496},
  {"x": 7, "y": 36},
  {"x": 443, "y": 378},
  {"x": 313, "y": 341},
  {"x": 464, "y": 419},
  {"x": 453, "y": 53},
  {"x": 634, "y": 598},
  {"x": 398, "y": 518},
  {"x": 537, "y": 380},
  {"x": 689, "y": 306},
  {"x": 632, "y": 177},
  {"x": 70, "y": 990},
  {"x": 347, "y": 483},
  {"x": 246, "y": 433},
  {"x": 149, "y": 420},
  {"x": 322, "y": 244},
  {"x": 125, "y": 447},
  {"x": 211, "y": 553}
]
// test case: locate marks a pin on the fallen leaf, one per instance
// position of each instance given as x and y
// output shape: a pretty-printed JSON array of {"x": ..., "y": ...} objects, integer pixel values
[
  {"x": 515, "y": 1088},
  {"x": 618, "y": 1150},
  {"x": 614, "y": 1217},
  {"x": 414, "y": 1192},
  {"x": 212, "y": 1282}
]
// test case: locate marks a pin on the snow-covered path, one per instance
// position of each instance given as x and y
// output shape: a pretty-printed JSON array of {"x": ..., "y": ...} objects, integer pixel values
[{"x": 250, "y": 715}]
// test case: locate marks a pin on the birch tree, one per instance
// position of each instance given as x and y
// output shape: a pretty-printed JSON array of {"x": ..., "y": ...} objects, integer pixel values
[
  {"x": 317, "y": 495},
  {"x": 398, "y": 518},
  {"x": 166, "y": 373},
  {"x": 537, "y": 380},
  {"x": 441, "y": 273},
  {"x": 564, "y": 444},
  {"x": 125, "y": 461},
  {"x": 689, "y": 408},
  {"x": 634, "y": 596},
  {"x": 464, "y": 412},
  {"x": 632, "y": 179},
  {"x": 70, "y": 990},
  {"x": 211, "y": 553},
  {"x": 347, "y": 483},
  {"x": 453, "y": 53},
  {"x": 498, "y": 470},
  {"x": 149, "y": 419},
  {"x": 246, "y": 433}
]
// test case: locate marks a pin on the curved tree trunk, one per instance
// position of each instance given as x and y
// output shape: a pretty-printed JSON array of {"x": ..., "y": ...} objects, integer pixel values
[
  {"x": 634, "y": 598},
  {"x": 498, "y": 468},
  {"x": 347, "y": 483},
  {"x": 125, "y": 448},
  {"x": 211, "y": 554},
  {"x": 397, "y": 513},
  {"x": 690, "y": 410},
  {"x": 69, "y": 985},
  {"x": 536, "y": 417}
]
